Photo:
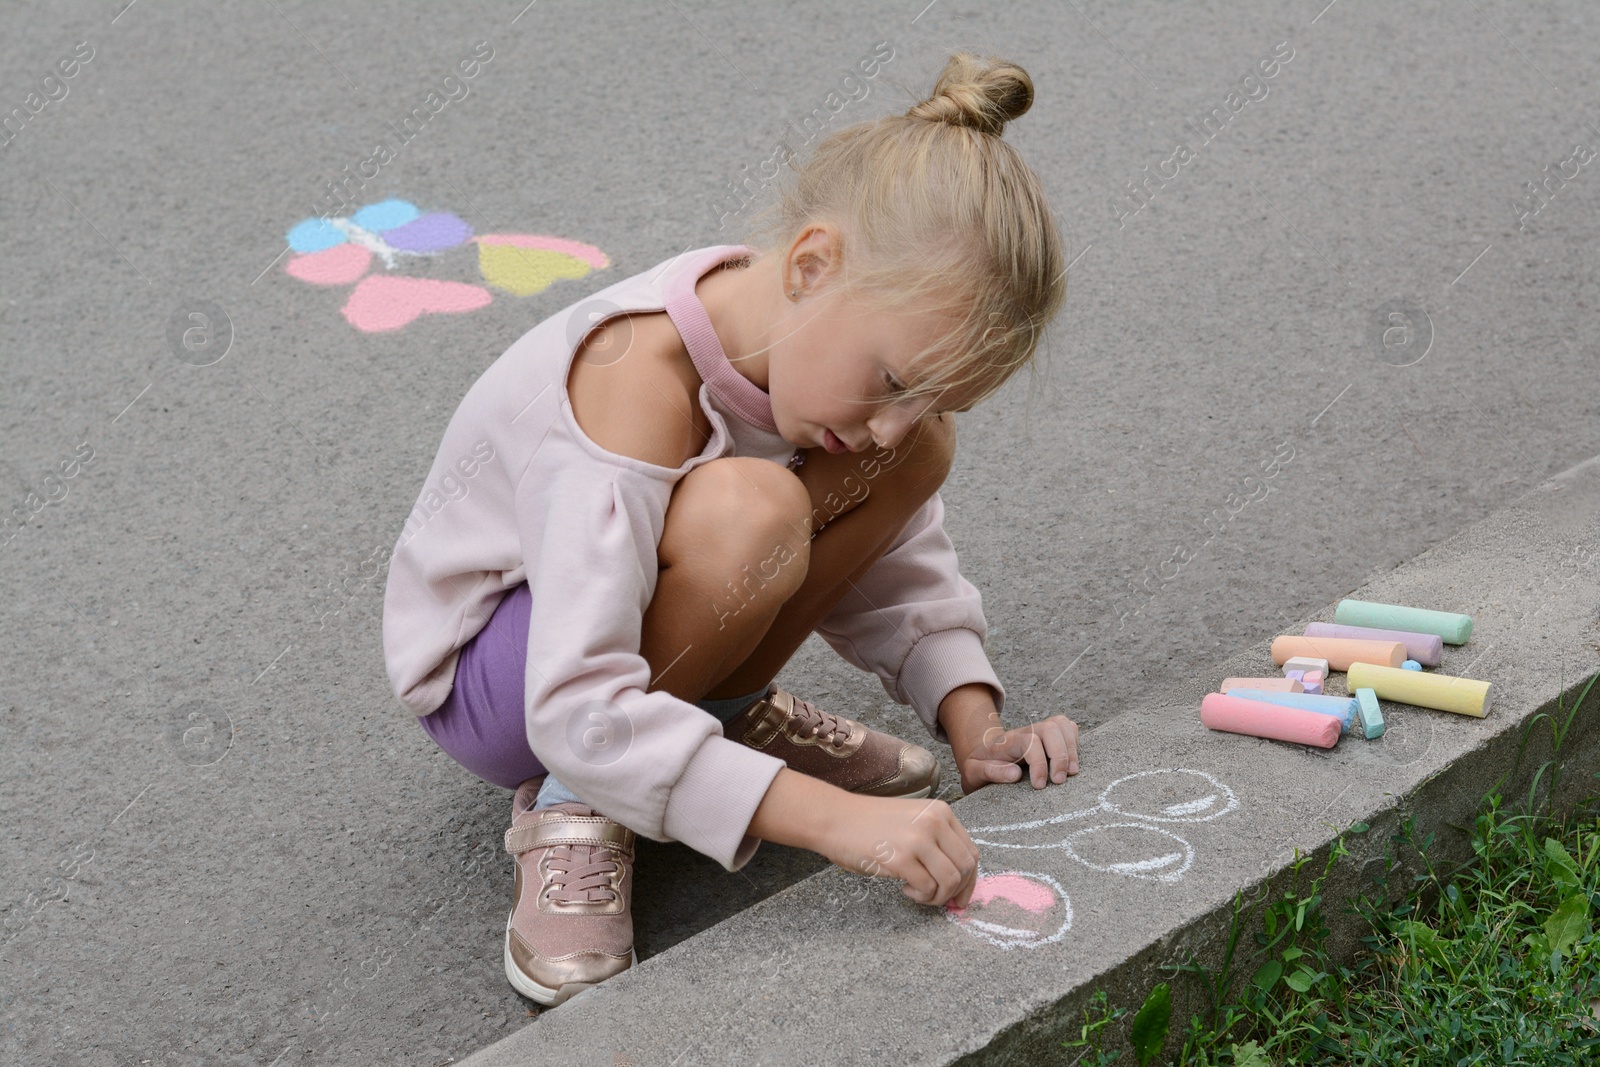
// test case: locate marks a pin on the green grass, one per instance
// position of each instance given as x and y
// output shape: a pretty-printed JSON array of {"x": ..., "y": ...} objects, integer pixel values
[{"x": 1496, "y": 962}]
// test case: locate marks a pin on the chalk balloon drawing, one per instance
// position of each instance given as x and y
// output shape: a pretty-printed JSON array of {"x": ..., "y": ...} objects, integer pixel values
[
  {"x": 341, "y": 251},
  {"x": 1133, "y": 842}
]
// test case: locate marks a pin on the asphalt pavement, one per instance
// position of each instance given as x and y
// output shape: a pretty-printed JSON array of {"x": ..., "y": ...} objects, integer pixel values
[{"x": 1316, "y": 322}]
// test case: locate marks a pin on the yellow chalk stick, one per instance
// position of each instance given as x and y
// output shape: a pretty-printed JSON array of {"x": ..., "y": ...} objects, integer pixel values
[{"x": 1464, "y": 696}]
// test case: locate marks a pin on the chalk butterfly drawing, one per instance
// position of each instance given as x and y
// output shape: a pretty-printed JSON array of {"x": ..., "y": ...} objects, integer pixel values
[
  {"x": 340, "y": 251},
  {"x": 1025, "y": 909}
]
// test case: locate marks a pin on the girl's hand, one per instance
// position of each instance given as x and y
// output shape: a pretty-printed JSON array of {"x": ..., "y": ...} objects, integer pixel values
[
  {"x": 920, "y": 842},
  {"x": 1049, "y": 748}
]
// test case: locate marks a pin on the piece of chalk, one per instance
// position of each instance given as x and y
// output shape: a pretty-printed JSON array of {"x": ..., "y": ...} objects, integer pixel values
[
  {"x": 1312, "y": 682},
  {"x": 1281, "y": 685},
  {"x": 1411, "y": 665},
  {"x": 1453, "y": 627},
  {"x": 1257, "y": 719},
  {"x": 1427, "y": 649},
  {"x": 1371, "y": 714},
  {"x": 1296, "y": 676},
  {"x": 1341, "y": 708},
  {"x": 1304, "y": 663},
  {"x": 1340, "y": 652},
  {"x": 1464, "y": 696}
]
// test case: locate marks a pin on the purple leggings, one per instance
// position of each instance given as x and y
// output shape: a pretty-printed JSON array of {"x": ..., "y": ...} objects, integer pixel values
[{"x": 481, "y": 723}]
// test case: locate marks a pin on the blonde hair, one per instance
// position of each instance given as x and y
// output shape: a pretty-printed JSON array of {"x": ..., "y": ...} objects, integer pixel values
[{"x": 937, "y": 211}]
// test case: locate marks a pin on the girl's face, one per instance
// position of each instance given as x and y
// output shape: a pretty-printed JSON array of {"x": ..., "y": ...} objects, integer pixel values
[{"x": 837, "y": 364}]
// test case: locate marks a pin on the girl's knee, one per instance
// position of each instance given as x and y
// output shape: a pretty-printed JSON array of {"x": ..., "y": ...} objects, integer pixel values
[
  {"x": 735, "y": 498},
  {"x": 940, "y": 431}
]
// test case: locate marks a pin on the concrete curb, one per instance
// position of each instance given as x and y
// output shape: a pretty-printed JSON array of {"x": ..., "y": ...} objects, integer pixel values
[{"x": 1143, "y": 853}]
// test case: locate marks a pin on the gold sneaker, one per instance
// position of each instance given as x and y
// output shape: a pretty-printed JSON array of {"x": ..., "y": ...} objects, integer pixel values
[
  {"x": 840, "y": 751},
  {"x": 571, "y": 926}
]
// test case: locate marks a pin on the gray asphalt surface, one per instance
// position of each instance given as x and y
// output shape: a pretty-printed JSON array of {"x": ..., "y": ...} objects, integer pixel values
[{"x": 223, "y": 844}]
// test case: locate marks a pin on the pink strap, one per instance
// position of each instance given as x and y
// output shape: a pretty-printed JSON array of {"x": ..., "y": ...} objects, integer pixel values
[{"x": 747, "y": 400}]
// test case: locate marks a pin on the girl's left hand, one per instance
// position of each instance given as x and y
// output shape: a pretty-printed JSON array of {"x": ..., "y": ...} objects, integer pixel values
[{"x": 1049, "y": 748}]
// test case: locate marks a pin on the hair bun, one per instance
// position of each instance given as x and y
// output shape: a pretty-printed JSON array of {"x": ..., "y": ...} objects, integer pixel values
[{"x": 979, "y": 93}]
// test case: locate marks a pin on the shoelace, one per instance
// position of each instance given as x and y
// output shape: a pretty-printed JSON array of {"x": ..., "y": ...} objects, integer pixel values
[
  {"x": 583, "y": 878},
  {"x": 812, "y": 721}
]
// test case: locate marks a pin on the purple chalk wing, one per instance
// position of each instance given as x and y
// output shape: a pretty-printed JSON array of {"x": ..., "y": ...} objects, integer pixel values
[{"x": 431, "y": 233}]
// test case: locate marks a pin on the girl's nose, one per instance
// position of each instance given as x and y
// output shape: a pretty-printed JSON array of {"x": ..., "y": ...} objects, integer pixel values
[{"x": 890, "y": 426}]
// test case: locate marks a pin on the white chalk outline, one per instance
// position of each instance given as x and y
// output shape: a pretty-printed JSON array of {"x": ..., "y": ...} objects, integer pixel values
[
  {"x": 1172, "y": 814},
  {"x": 1151, "y": 869},
  {"x": 1137, "y": 868},
  {"x": 1131, "y": 868}
]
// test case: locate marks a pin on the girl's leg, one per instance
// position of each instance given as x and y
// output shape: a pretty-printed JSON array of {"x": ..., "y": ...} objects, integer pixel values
[
  {"x": 718, "y": 624},
  {"x": 480, "y": 724},
  {"x": 743, "y": 582}
]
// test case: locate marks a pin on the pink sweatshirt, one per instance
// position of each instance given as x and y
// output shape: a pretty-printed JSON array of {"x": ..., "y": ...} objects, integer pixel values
[{"x": 518, "y": 492}]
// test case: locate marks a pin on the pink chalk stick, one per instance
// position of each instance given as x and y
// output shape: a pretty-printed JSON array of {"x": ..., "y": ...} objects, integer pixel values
[
  {"x": 1426, "y": 649},
  {"x": 1277, "y": 685},
  {"x": 1237, "y": 715}
]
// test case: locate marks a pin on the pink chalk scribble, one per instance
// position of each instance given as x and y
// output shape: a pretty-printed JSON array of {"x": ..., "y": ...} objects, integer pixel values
[
  {"x": 339, "y": 265},
  {"x": 1028, "y": 905},
  {"x": 1029, "y": 895}
]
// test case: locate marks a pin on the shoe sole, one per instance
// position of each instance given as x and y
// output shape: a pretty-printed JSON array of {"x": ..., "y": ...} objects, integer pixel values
[{"x": 544, "y": 994}]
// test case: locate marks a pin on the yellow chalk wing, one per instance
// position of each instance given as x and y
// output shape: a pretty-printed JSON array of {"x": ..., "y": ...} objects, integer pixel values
[{"x": 525, "y": 264}]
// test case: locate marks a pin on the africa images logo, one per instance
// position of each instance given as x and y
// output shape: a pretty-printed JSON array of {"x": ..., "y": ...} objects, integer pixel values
[{"x": 340, "y": 251}]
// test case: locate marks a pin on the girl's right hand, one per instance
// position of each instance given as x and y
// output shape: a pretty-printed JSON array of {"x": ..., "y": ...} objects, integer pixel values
[{"x": 920, "y": 842}]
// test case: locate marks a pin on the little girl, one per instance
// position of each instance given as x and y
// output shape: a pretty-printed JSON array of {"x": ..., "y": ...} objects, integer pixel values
[{"x": 659, "y": 493}]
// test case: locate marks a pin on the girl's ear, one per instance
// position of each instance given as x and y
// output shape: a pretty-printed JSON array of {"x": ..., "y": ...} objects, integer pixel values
[{"x": 814, "y": 258}]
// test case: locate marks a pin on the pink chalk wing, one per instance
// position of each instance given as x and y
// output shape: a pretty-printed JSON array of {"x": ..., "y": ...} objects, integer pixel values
[
  {"x": 339, "y": 265},
  {"x": 387, "y": 302}
]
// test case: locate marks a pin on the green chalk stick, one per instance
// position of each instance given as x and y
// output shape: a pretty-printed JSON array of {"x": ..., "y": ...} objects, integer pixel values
[
  {"x": 1371, "y": 716},
  {"x": 1453, "y": 628}
]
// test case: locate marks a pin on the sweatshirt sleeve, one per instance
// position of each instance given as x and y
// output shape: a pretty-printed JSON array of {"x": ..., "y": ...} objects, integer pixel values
[
  {"x": 659, "y": 765},
  {"x": 915, "y": 622}
]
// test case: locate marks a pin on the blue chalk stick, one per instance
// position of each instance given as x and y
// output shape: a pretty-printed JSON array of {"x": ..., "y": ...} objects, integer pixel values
[
  {"x": 1371, "y": 716},
  {"x": 1411, "y": 665},
  {"x": 1341, "y": 708}
]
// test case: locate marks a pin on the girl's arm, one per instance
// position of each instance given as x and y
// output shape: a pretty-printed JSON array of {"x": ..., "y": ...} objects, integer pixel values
[
  {"x": 919, "y": 842},
  {"x": 985, "y": 751},
  {"x": 915, "y": 622},
  {"x": 919, "y": 625}
]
